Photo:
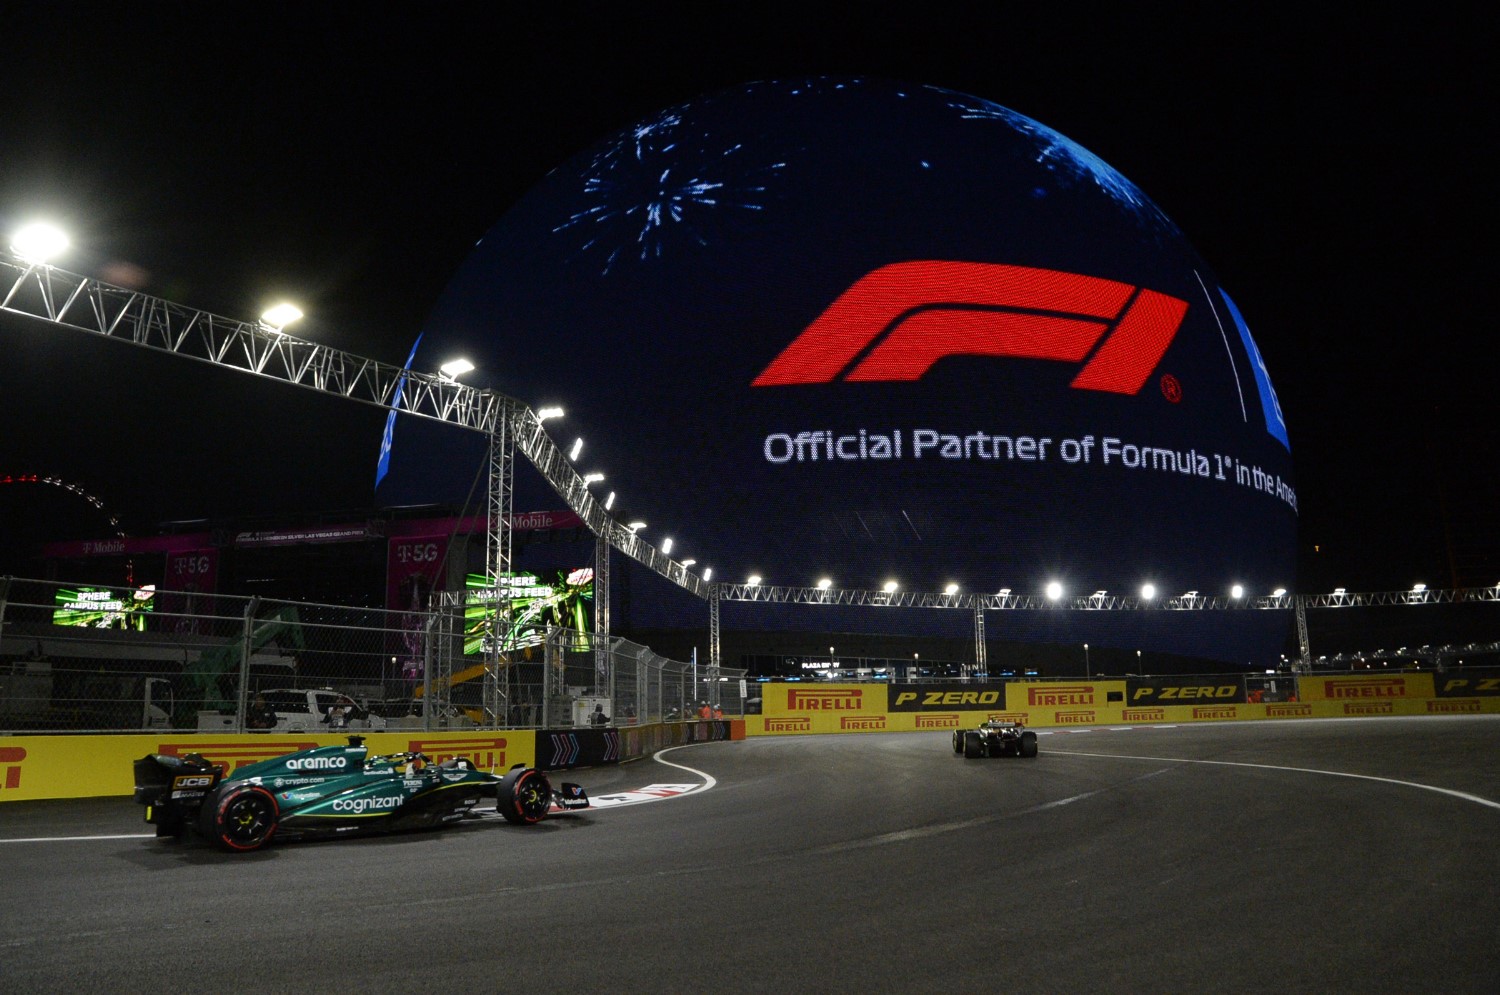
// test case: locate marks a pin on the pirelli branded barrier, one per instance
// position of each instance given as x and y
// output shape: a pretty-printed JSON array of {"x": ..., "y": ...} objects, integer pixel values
[
  {"x": 36, "y": 767},
  {"x": 790, "y": 709}
]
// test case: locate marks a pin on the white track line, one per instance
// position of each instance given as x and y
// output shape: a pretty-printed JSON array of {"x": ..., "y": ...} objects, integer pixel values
[
  {"x": 75, "y": 839},
  {"x": 642, "y": 796},
  {"x": 1461, "y": 795}
]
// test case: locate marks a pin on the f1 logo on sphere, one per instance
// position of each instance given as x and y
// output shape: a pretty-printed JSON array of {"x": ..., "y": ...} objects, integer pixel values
[{"x": 895, "y": 322}]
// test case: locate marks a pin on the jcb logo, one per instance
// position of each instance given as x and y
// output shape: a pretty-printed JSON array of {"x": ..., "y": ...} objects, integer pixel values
[
  {"x": 897, "y": 321},
  {"x": 10, "y": 765},
  {"x": 192, "y": 781}
]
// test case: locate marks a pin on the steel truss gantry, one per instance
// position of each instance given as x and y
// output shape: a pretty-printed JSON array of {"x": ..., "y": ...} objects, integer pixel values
[
  {"x": 1099, "y": 601},
  {"x": 85, "y": 304},
  {"x": 89, "y": 305},
  {"x": 78, "y": 302}
]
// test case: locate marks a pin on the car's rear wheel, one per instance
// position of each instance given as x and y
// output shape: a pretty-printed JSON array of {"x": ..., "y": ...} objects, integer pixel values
[
  {"x": 242, "y": 818},
  {"x": 973, "y": 745},
  {"x": 524, "y": 796},
  {"x": 1028, "y": 744}
]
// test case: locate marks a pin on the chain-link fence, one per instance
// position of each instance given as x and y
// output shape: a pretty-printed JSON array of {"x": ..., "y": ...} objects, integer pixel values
[{"x": 75, "y": 658}]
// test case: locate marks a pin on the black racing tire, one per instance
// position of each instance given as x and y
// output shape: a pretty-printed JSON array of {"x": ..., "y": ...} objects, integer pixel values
[
  {"x": 524, "y": 796},
  {"x": 973, "y": 745},
  {"x": 1028, "y": 744},
  {"x": 240, "y": 819},
  {"x": 958, "y": 741}
]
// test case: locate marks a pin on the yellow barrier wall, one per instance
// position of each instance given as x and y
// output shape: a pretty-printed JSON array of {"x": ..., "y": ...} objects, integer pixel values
[
  {"x": 796, "y": 709},
  {"x": 35, "y": 767}
]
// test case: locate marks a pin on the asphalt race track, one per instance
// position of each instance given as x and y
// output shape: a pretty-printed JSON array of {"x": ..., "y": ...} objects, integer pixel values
[{"x": 1353, "y": 855}]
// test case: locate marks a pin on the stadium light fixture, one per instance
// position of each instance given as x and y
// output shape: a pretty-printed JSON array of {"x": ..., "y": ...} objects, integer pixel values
[
  {"x": 951, "y": 590},
  {"x": 688, "y": 563},
  {"x": 1237, "y": 591},
  {"x": 1054, "y": 590},
  {"x": 754, "y": 580},
  {"x": 825, "y": 584},
  {"x": 636, "y": 526},
  {"x": 1338, "y": 592},
  {"x": 708, "y": 573},
  {"x": 1280, "y": 592},
  {"x": 283, "y": 314},
  {"x": 589, "y": 478},
  {"x": 1148, "y": 591},
  {"x": 39, "y": 243},
  {"x": 542, "y": 414},
  {"x": 890, "y": 587},
  {"x": 577, "y": 448},
  {"x": 454, "y": 369},
  {"x": 666, "y": 545},
  {"x": 609, "y": 502},
  {"x": 1004, "y": 592},
  {"x": 1418, "y": 588}
]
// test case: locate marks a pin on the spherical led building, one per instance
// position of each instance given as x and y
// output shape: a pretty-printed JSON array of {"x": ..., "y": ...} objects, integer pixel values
[{"x": 865, "y": 331}]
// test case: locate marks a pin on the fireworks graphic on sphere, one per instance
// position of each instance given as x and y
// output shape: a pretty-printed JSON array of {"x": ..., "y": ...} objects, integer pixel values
[
  {"x": 1065, "y": 159},
  {"x": 662, "y": 185}
]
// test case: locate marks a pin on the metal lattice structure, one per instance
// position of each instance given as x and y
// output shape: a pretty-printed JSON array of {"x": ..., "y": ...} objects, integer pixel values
[
  {"x": 78, "y": 302},
  {"x": 89, "y": 305}
]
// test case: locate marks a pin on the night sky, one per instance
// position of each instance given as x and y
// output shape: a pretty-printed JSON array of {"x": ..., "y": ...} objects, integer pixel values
[{"x": 223, "y": 156}]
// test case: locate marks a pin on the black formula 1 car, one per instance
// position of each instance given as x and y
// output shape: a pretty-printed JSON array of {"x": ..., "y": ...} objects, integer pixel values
[
  {"x": 332, "y": 790},
  {"x": 995, "y": 739}
]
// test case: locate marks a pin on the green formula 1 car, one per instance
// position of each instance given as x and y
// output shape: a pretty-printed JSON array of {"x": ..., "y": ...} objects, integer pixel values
[{"x": 333, "y": 790}]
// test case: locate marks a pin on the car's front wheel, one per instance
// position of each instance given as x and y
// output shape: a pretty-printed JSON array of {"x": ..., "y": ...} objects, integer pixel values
[
  {"x": 973, "y": 745},
  {"x": 524, "y": 796},
  {"x": 242, "y": 818}
]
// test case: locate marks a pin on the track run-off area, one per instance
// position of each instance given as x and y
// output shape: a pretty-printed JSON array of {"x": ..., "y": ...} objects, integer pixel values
[{"x": 1321, "y": 855}]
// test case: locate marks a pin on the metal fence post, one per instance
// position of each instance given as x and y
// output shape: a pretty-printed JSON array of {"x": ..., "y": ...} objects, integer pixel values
[
  {"x": 247, "y": 645},
  {"x": 427, "y": 661},
  {"x": 4, "y": 597}
]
